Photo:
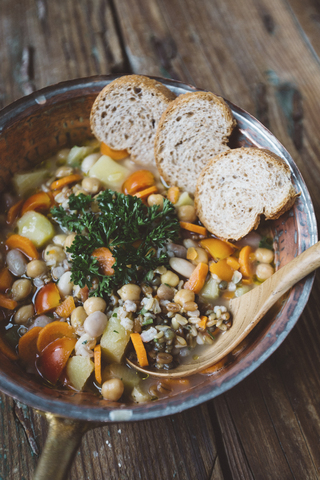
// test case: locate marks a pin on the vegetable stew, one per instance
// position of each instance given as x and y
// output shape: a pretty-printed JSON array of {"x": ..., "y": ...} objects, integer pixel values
[{"x": 102, "y": 261}]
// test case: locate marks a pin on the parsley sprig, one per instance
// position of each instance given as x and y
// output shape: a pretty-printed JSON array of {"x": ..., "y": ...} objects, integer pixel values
[{"x": 121, "y": 221}]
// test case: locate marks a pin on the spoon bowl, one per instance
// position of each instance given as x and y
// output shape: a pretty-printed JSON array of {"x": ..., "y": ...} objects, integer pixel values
[{"x": 246, "y": 312}]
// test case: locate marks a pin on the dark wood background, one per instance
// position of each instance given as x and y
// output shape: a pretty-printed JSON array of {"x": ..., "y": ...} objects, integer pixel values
[{"x": 264, "y": 56}]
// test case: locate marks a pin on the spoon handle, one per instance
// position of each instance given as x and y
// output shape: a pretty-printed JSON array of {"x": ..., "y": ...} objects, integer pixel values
[{"x": 262, "y": 298}]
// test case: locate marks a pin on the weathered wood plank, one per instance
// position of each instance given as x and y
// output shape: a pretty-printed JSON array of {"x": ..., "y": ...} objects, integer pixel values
[{"x": 63, "y": 40}]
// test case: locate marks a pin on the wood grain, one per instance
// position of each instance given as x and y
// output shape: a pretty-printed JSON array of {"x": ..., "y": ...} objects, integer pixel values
[{"x": 263, "y": 56}]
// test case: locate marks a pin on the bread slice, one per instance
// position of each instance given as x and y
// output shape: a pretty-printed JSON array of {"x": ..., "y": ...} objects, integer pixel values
[
  {"x": 238, "y": 186},
  {"x": 126, "y": 113},
  {"x": 195, "y": 127}
]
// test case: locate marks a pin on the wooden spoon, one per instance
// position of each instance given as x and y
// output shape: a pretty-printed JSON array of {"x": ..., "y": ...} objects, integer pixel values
[{"x": 246, "y": 311}]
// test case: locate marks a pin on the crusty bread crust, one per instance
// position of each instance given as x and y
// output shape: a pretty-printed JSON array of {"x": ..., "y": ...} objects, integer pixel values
[
  {"x": 238, "y": 186},
  {"x": 126, "y": 113},
  {"x": 195, "y": 127}
]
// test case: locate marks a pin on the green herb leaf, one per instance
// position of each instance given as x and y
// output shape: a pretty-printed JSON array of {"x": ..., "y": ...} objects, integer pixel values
[
  {"x": 148, "y": 321},
  {"x": 266, "y": 242}
]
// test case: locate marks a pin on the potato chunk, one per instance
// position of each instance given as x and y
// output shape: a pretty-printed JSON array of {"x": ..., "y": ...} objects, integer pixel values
[
  {"x": 36, "y": 227},
  {"x": 79, "y": 370},
  {"x": 110, "y": 173},
  {"x": 114, "y": 341}
]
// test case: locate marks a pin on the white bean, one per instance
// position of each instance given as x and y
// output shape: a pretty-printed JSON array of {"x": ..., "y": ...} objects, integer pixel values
[
  {"x": 41, "y": 321},
  {"x": 95, "y": 323},
  {"x": 16, "y": 262},
  {"x": 21, "y": 289},
  {"x": 78, "y": 317},
  {"x": 65, "y": 285},
  {"x": 182, "y": 266},
  {"x": 89, "y": 161},
  {"x": 23, "y": 314}
]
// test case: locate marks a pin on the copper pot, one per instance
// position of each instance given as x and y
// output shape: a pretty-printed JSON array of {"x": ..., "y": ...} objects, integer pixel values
[{"x": 36, "y": 127}]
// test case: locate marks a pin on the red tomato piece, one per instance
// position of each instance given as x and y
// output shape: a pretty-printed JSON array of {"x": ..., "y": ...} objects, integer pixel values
[
  {"x": 47, "y": 298},
  {"x": 54, "y": 358}
]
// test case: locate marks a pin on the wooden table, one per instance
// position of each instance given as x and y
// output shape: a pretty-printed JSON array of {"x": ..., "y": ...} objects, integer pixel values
[{"x": 264, "y": 56}]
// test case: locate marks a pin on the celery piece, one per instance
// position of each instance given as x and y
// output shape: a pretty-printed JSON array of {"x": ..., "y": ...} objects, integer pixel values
[
  {"x": 27, "y": 182},
  {"x": 129, "y": 377},
  {"x": 36, "y": 227},
  {"x": 77, "y": 154},
  {"x": 110, "y": 173},
  {"x": 210, "y": 290},
  {"x": 79, "y": 370},
  {"x": 242, "y": 290}
]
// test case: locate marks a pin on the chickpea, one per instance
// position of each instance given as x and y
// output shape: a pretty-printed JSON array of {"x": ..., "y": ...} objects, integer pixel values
[
  {"x": 89, "y": 161},
  {"x": 53, "y": 255},
  {"x": 264, "y": 255},
  {"x": 94, "y": 304},
  {"x": 165, "y": 293},
  {"x": 64, "y": 171},
  {"x": 264, "y": 271},
  {"x": 21, "y": 289},
  {"x": 170, "y": 278},
  {"x": 155, "y": 199},
  {"x": 69, "y": 240},
  {"x": 130, "y": 292},
  {"x": 112, "y": 389},
  {"x": 184, "y": 296},
  {"x": 59, "y": 239},
  {"x": 80, "y": 191},
  {"x": 91, "y": 185},
  {"x": 187, "y": 213},
  {"x": 78, "y": 317},
  {"x": 23, "y": 314},
  {"x": 35, "y": 268},
  {"x": 95, "y": 324}
]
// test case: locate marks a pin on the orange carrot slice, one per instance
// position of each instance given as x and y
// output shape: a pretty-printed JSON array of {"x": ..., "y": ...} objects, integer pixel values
[
  {"x": 218, "y": 249},
  {"x": 105, "y": 259},
  {"x": 47, "y": 298},
  {"x": 6, "y": 279},
  {"x": 52, "y": 332},
  {"x": 14, "y": 212},
  {"x": 139, "y": 180},
  {"x": 178, "y": 381},
  {"x": 7, "y": 351},
  {"x": 222, "y": 270},
  {"x": 114, "y": 154},
  {"x": 38, "y": 201},
  {"x": 173, "y": 194},
  {"x": 62, "y": 182},
  {"x": 24, "y": 245},
  {"x": 28, "y": 345},
  {"x": 244, "y": 260},
  {"x": 203, "y": 323},
  {"x": 145, "y": 193},
  {"x": 65, "y": 309},
  {"x": 97, "y": 363},
  {"x": 233, "y": 263},
  {"x": 198, "y": 278},
  {"x": 193, "y": 228},
  {"x": 140, "y": 349},
  {"x": 6, "y": 302}
]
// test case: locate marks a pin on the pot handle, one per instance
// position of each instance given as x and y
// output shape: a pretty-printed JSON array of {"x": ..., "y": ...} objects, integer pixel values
[{"x": 63, "y": 440}]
